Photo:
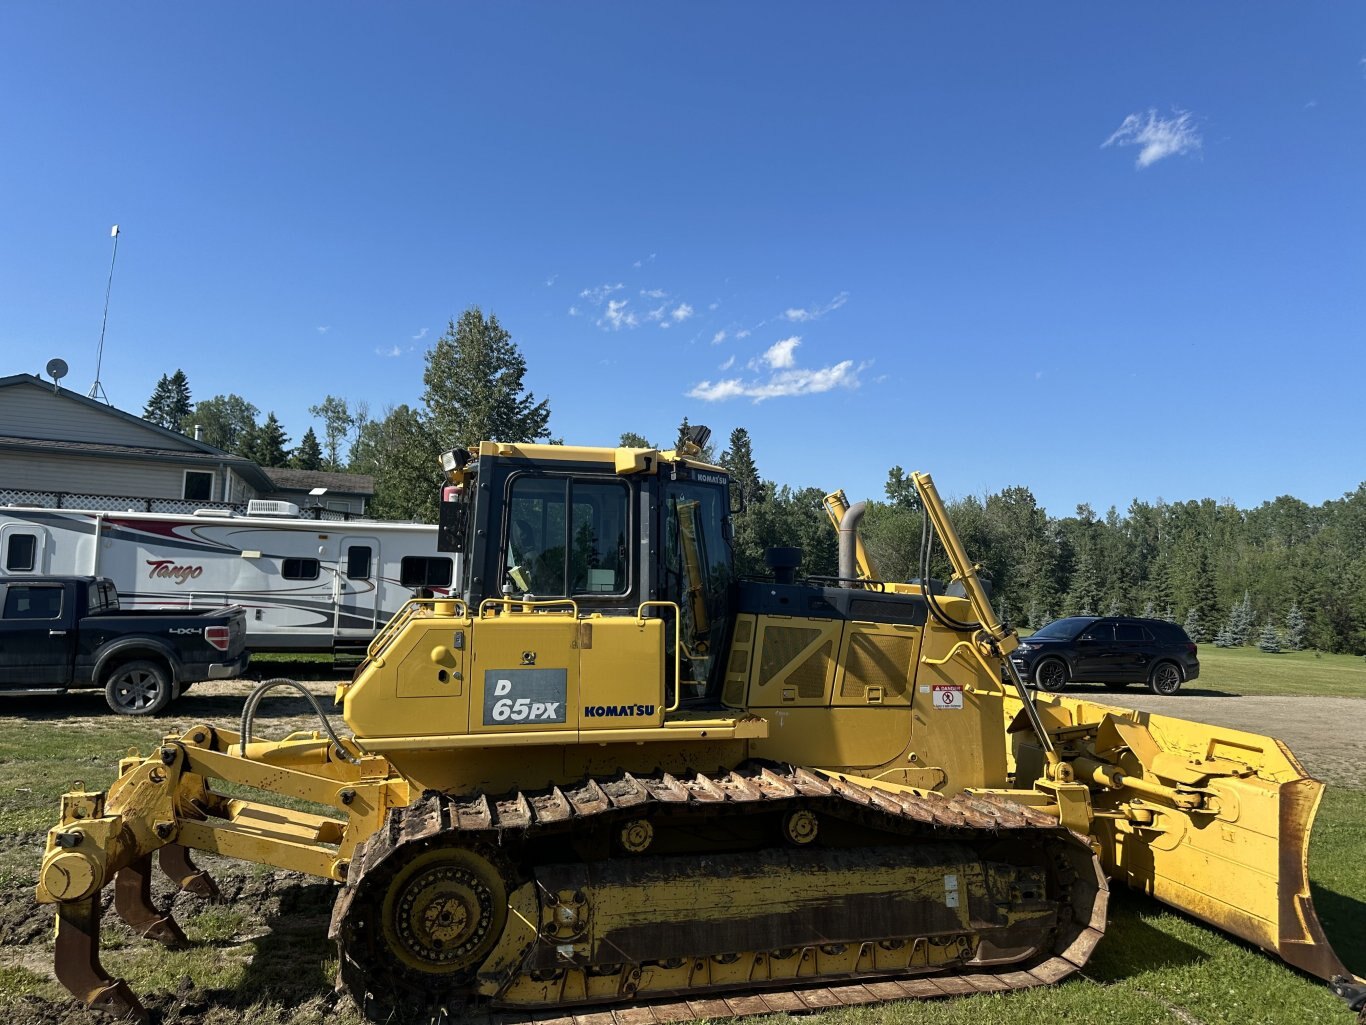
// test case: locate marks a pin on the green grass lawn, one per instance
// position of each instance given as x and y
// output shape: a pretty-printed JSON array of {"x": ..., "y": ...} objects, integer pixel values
[
  {"x": 1291, "y": 673},
  {"x": 1154, "y": 966}
]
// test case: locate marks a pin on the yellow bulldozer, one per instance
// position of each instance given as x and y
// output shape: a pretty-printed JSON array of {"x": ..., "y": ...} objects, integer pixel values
[{"x": 601, "y": 771}]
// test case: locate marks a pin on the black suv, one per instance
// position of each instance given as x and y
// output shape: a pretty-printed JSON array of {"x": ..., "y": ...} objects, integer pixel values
[{"x": 1114, "y": 650}]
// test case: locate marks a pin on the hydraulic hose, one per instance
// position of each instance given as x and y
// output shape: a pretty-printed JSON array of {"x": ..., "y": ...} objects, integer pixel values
[{"x": 263, "y": 688}]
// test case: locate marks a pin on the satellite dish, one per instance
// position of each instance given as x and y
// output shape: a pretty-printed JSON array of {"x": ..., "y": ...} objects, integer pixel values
[{"x": 56, "y": 369}]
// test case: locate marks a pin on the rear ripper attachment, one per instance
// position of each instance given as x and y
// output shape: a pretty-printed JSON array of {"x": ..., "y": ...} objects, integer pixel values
[{"x": 795, "y": 888}]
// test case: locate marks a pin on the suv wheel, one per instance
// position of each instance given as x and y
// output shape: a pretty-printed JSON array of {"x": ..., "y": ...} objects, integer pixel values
[
  {"x": 1165, "y": 678},
  {"x": 1051, "y": 675},
  {"x": 138, "y": 688}
]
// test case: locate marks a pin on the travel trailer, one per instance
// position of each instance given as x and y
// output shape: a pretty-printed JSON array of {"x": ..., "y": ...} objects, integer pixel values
[{"x": 306, "y": 585}]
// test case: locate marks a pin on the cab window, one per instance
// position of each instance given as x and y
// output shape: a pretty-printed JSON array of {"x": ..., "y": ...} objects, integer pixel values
[
  {"x": 697, "y": 575},
  {"x": 566, "y": 536}
]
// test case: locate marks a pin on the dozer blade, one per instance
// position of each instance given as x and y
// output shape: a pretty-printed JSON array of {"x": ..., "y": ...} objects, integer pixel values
[{"x": 1210, "y": 820}]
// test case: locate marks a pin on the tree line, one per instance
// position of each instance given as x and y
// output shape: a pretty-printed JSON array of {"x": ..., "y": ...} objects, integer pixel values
[{"x": 1285, "y": 574}]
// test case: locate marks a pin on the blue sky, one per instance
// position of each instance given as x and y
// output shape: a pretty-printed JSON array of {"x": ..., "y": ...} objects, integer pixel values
[{"x": 1102, "y": 252}]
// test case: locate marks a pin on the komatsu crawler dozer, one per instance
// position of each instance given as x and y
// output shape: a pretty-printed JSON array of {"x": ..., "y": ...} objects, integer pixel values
[{"x": 601, "y": 771}]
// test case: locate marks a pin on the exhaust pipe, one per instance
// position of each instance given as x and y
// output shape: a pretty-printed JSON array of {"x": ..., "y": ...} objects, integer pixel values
[{"x": 848, "y": 541}]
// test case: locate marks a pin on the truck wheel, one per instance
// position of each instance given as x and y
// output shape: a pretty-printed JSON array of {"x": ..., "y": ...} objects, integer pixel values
[
  {"x": 138, "y": 688},
  {"x": 1051, "y": 675}
]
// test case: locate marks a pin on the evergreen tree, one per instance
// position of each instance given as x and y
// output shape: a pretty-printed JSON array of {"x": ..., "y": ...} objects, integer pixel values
[
  {"x": 1204, "y": 598},
  {"x": 1237, "y": 631},
  {"x": 1084, "y": 595},
  {"x": 1115, "y": 608},
  {"x": 170, "y": 401},
  {"x": 309, "y": 454},
  {"x": 474, "y": 390},
  {"x": 1192, "y": 625},
  {"x": 228, "y": 422},
  {"x": 1149, "y": 609},
  {"x": 269, "y": 444},
  {"x": 1269, "y": 642},
  {"x": 338, "y": 420},
  {"x": 1294, "y": 628},
  {"x": 738, "y": 459}
]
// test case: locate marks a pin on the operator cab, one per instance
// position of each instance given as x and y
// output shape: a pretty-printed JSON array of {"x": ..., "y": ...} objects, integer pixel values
[{"x": 614, "y": 531}]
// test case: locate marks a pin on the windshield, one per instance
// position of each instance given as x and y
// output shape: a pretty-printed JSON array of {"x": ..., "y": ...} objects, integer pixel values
[{"x": 1063, "y": 629}]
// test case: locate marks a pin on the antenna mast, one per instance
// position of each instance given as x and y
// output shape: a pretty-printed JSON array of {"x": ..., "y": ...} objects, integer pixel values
[{"x": 97, "y": 389}]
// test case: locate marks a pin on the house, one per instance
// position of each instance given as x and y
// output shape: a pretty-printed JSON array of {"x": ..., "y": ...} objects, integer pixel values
[
  {"x": 64, "y": 450},
  {"x": 312, "y": 489}
]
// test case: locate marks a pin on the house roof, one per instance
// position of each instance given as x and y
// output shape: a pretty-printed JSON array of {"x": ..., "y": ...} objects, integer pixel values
[
  {"x": 180, "y": 440},
  {"x": 307, "y": 480},
  {"x": 245, "y": 468}
]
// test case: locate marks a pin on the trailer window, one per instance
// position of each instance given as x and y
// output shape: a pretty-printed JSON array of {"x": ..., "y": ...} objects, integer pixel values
[
  {"x": 424, "y": 571},
  {"x": 33, "y": 603},
  {"x": 21, "y": 553},
  {"x": 198, "y": 486},
  {"x": 299, "y": 569},
  {"x": 358, "y": 562}
]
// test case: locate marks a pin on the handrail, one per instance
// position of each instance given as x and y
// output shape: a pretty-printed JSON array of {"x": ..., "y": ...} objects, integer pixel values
[
  {"x": 544, "y": 604},
  {"x": 409, "y": 609},
  {"x": 976, "y": 652},
  {"x": 678, "y": 644}
]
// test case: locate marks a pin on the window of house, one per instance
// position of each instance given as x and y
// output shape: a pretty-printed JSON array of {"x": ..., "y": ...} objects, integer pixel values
[
  {"x": 424, "y": 571},
  {"x": 299, "y": 569},
  {"x": 358, "y": 562},
  {"x": 33, "y": 602},
  {"x": 22, "y": 553},
  {"x": 198, "y": 486}
]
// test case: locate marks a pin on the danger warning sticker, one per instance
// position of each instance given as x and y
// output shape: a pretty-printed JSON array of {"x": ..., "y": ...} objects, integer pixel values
[{"x": 948, "y": 695}]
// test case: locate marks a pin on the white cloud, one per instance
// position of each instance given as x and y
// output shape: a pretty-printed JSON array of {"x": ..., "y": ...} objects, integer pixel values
[
  {"x": 798, "y": 315},
  {"x": 574, "y": 311},
  {"x": 653, "y": 293},
  {"x": 713, "y": 307},
  {"x": 323, "y": 330},
  {"x": 596, "y": 296},
  {"x": 728, "y": 364},
  {"x": 782, "y": 384},
  {"x": 392, "y": 352},
  {"x": 718, "y": 338},
  {"x": 641, "y": 263},
  {"x": 779, "y": 355},
  {"x": 618, "y": 316},
  {"x": 551, "y": 280},
  {"x": 420, "y": 335},
  {"x": 656, "y": 314},
  {"x": 742, "y": 334},
  {"x": 681, "y": 312},
  {"x": 1158, "y": 137}
]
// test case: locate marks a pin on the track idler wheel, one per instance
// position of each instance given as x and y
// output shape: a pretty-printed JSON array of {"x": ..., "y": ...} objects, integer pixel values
[{"x": 414, "y": 935}]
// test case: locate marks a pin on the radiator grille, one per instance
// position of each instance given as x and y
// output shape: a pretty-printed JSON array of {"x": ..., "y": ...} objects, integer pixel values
[
  {"x": 782, "y": 644},
  {"x": 878, "y": 660}
]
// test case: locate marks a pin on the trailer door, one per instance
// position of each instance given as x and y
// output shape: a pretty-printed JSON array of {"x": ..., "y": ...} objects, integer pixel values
[{"x": 356, "y": 591}]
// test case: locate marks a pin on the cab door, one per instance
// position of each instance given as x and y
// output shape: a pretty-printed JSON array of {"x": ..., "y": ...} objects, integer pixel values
[{"x": 37, "y": 636}]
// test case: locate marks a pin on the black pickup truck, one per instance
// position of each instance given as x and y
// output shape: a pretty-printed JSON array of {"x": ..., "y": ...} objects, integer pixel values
[{"x": 63, "y": 633}]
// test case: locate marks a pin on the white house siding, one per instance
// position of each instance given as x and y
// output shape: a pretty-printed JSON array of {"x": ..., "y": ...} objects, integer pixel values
[{"x": 33, "y": 411}]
